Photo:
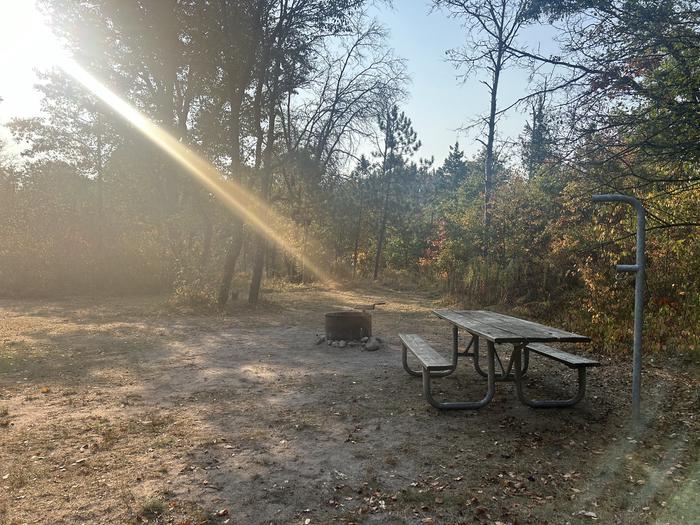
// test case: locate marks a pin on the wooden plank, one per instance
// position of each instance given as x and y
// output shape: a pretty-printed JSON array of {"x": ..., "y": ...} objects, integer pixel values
[
  {"x": 508, "y": 325},
  {"x": 478, "y": 327},
  {"x": 528, "y": 330},
  {"x": 572, "y": 360},
  {"x": 561, "y": 334},
  {"x": 428, "y": 357}
]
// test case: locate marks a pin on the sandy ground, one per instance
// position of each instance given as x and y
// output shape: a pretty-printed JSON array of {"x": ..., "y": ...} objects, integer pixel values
[{"x": 129, "y": 411}]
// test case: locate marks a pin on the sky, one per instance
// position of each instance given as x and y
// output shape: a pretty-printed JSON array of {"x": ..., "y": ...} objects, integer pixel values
[
  {"x": 26, "y": 45},
  {"x": 439, "y": 104}
]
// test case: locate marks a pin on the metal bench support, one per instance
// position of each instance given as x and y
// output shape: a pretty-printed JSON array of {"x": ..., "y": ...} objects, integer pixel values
[
  {"x": 506, "y": 373},
  {"x": 546, "y": 403},
  {"x": 464, "y": 405}
]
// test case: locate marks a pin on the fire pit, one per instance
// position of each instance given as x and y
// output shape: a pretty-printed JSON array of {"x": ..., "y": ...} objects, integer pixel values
[{"x": 348, "y": 326}]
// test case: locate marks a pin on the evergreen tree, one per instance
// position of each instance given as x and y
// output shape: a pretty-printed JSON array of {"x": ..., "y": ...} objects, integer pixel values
[
  {"x": 398, "y": 142},
  {"x": 454, "y": 170},
  {"x": 537, "y": 139}
]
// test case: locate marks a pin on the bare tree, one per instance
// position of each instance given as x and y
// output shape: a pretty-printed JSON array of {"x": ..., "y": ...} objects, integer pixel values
[
  {"x": 325, "y": 121},
  {"x": 341, "y": 104},
  {"x": 492, "y": 28},
  {"x": 241, "y": 32},
  {"x": 296, "y": 30}
]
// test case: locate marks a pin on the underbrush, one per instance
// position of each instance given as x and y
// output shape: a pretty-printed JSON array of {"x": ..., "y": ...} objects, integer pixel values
[
  {"x": 667, "y": 331},
  {"x": 407, "y": 280}
]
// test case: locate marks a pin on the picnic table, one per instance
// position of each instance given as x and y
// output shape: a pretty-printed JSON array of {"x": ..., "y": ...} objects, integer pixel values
[{"x": 522, "y": 336}]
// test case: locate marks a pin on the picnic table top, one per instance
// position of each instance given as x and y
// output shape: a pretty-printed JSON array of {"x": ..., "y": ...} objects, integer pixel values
[{"x": 500, "y": 328}]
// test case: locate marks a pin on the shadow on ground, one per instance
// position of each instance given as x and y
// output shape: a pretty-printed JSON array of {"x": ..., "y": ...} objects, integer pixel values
[{"x": 126, "y": 411}]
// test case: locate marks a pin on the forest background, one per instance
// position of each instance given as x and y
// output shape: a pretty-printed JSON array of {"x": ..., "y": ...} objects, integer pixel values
[{"x": 300, "y": 102}]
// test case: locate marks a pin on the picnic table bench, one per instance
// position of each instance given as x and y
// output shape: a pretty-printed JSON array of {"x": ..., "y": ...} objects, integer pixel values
[{"x": 524, "y": 336}]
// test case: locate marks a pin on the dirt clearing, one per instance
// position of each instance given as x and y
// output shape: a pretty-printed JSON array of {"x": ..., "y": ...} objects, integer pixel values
[{"x": 127, "y": 411}]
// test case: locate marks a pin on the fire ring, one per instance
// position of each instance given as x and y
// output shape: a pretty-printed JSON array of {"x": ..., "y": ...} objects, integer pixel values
[{"x": 348, "y": 326}]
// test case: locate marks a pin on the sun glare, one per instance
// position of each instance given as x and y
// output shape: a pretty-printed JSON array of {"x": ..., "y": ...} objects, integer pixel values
[
  {"x": 32, "y": 45},
  {"x": 27, "y": 45},
  {"x": 237, "y": 199}
]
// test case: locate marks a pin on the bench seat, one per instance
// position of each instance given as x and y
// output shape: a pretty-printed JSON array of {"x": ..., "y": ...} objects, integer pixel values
[
  {"x": 429, "y": 358},
  {"x": 580, "y": 363},
  {"x": 435, "y": 365},
  {"x": 570, "y": 360}
]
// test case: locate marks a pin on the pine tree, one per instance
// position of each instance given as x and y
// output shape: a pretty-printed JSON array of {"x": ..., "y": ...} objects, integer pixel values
[{"x": 399, "y": 141}]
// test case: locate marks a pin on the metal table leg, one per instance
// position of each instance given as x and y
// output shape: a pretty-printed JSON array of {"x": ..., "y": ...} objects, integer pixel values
[
  {"x": 546, "y": 403},
  {"x": 472, "y": 340},
  {"x": 467, "y": 405},
  {"x": 475, "y": 358},
  {"x": 505, "y": 374}
]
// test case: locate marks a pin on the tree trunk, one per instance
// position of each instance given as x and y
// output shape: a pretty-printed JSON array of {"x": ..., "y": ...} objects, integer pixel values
[
  {"x": 382, "y": 233},
  {"x": 208, "y": 234},
  {"x": 232, "y": 253},
  {"x": 303, "y": 250},
  {"x": 236, "y": 240},
  {"x": 356, "y": 248},
  {"x": 266, "y": 188},
  {"x": 271, "y": 262},
  {"x": 102, "y": 272},
  {"x": 258, "y": 265},
  {"x": 488, "y": 165}
]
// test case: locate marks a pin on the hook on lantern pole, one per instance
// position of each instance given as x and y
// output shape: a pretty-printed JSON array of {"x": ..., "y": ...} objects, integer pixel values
[{"x": 638, "y": 268}]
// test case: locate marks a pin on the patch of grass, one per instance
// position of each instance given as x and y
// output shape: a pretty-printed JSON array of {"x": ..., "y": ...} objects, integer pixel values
[
  {"x": 203, "y": 517},
  {"x": 390, "y": 460},
  {"x": 20, "y": 474},
  {"x": 303, "y": 422},
  {"x": 131, "y": 399},
  {"x": 109, "y": 437},
  {"x": 151, "y": 509},
  {"x": 152, "y": 422},
  {"x": 284, "y": 285},
  {"x": 253, "y": 435},
  {"x": 163, "y": 441},
  {"x": 18, "y": 349},
  {"x": 429, "y": 498},
  {"x": 4, "y": 417},
  {"x": 5, "y": 514}
]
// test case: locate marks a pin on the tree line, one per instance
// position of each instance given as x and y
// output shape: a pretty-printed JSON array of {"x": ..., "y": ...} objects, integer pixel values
[{"x": 283, "y": 95}]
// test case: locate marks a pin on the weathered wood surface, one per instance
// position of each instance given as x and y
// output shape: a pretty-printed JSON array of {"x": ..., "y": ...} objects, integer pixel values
[
  {"x": 524, "y": 326},
  {"x": 482, "y": 329},
  {"x": 500, "y": 328},
  {"x": 428, "y": 357},
  {"x": 572, "y": 360}
]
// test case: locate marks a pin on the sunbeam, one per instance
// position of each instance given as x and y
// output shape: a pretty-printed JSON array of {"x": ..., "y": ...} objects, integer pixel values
[{"x": 236, "y": 198}]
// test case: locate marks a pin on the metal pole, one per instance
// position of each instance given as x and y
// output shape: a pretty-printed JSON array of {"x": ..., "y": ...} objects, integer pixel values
[{"x": 638, "y": 268}]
